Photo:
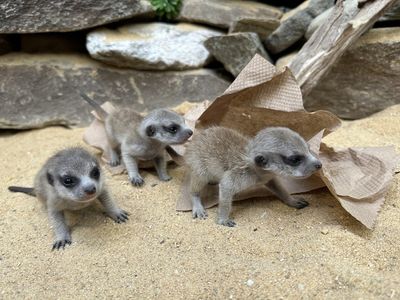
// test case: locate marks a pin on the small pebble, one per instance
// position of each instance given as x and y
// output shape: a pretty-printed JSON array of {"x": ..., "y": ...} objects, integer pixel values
[
  {"x": 250, "y": 282},
  {"x": 324, "y": 230}
]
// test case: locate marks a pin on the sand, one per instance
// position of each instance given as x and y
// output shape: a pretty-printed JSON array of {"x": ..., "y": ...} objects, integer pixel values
[{"x": 274, "y": 252}]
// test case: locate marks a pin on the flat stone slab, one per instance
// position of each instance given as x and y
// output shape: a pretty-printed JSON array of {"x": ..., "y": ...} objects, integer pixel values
[
  {"x": 263, "y": 27},
  {"x": 152, "y": 46},
  {"x": 222, "y": 13},
  {"x": 40, "y": 90},
  {"x": 26, "y": 16}
]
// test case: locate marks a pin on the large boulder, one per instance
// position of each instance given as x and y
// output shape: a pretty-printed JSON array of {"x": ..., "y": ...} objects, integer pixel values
[
  {"x": 222, "y": 13},
  {"x": 39, "y": 90},
  {"x": 26, "y": 16},
  {"x": 152, "y": 46},
  {"x": 364, "y": 80},
  {"x": 236, "y": 50}
]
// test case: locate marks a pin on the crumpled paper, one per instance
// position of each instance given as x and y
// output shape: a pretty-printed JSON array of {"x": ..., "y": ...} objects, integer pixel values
[{"x": 262, "y": 96}]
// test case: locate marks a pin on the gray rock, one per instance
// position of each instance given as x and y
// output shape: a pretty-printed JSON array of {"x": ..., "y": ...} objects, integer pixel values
[
  {"x": 26, "y": 16},
  {"x": 318, "y": 21},
  {"x": 294, "y": 27},
  {"x": 365, "y": 80},
  {"x": 235, "y": 50},
  {"x": 222, "y": 13},
  {"x": 263, "y": 27},
  {"x": 393, "y": 14},
  {"x": 40, "y": 90},
  {"x": 152, "y": 46}
]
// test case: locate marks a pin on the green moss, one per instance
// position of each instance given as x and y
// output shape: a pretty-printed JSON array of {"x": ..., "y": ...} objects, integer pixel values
[{"x": 167, "y": 8}]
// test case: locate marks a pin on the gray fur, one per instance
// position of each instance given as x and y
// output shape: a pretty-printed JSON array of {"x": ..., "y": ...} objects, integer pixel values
[
  {"x": 50, "y": 187},
  {"x": 143, "y": 138},
  {"x": 236, "y": 162}
]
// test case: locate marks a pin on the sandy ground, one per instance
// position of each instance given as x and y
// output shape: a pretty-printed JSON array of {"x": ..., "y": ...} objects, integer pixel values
[{"x": 274, "y": 252}]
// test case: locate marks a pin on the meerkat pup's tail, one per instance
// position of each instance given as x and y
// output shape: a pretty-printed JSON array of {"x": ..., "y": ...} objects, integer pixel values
[
  {"x": 101, "y": 112},
  {"x": 20, "y": 189}
]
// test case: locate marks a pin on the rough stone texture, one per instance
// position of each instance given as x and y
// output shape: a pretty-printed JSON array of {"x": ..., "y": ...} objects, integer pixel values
[
  {"x": 152, "y": 46},
  {"x": 39, "y": 90},
  {"x": 393, "y": 14},
  {"x": 235, "y": 50},
  {"x": 26, "y": 16},
  {"x": 318, "y": 21},
  {"x": 365, "y": 80},
  {"x": 293, "y": 28},
  {"x": 222, "y": 13},
  {"x": 263, "y": 27}
]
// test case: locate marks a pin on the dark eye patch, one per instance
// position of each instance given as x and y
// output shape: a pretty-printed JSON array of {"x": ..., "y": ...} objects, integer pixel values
[
  {"x": 69, "y": 181},
  {"x": 172, "y": 128},
  {"x": 95, "y": 173},
  {"x": 293, "y": 160}
]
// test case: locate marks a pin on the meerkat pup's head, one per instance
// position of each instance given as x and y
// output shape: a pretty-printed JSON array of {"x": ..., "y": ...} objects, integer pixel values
[
  {"x": 282, "y": 151},
  {"x": 165, "y": 126},
  {"x": 75, "y": 175}
]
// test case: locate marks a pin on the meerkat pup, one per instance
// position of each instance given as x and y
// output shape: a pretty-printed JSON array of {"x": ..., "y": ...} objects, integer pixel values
[
  {"x": 224, "y": 156},
  {"x": 142, "y": 138},
  {"x": 71, "y": 180}
]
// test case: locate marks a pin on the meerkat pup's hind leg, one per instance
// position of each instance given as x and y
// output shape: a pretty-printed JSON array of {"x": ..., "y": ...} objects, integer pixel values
[
  {"x": 225, "y": 204},
  {"x": 113, "y": 155},
  {"x": 161, "y": 167},
  {"x": 131, "y": 166},
  {"x": 197, "y": 184},
  {"x": 279, "y": 191}
]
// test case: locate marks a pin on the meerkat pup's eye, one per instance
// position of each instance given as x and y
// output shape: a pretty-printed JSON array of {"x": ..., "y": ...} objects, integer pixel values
[
  {"x": 69, "y": 181},
  {"x": 172, "y": 129},
  {"x": 293, "y": 160}
]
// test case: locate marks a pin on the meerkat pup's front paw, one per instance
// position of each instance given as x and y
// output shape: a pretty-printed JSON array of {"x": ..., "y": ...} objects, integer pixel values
[
  {"x": 61, "y": 242},
  {"x": 199, "y": 213},
  {"x": 136, "y": 180},
  {"x": 119, "y": 216},
  {"x": 226, "y": 222}
]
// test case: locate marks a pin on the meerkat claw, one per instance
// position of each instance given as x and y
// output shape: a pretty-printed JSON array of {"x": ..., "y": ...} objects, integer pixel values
[
  {"x": 228, "y": 223},
  {"x": 61, "y": 243},
  {"x": 137, "y": 181},
  {"x": 199, "y": 214},
  {"x": 300, "y": 203}
]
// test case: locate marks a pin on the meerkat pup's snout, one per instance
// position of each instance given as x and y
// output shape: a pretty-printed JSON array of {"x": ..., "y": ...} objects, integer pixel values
[
  {"x": 224, "y": 156},
  {"x": 71, "y": 180}
]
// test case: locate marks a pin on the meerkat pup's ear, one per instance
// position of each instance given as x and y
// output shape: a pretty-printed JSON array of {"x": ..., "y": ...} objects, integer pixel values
[
  {"x": 150, "y": 130},
  {"x": 261, "y": 160}
]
